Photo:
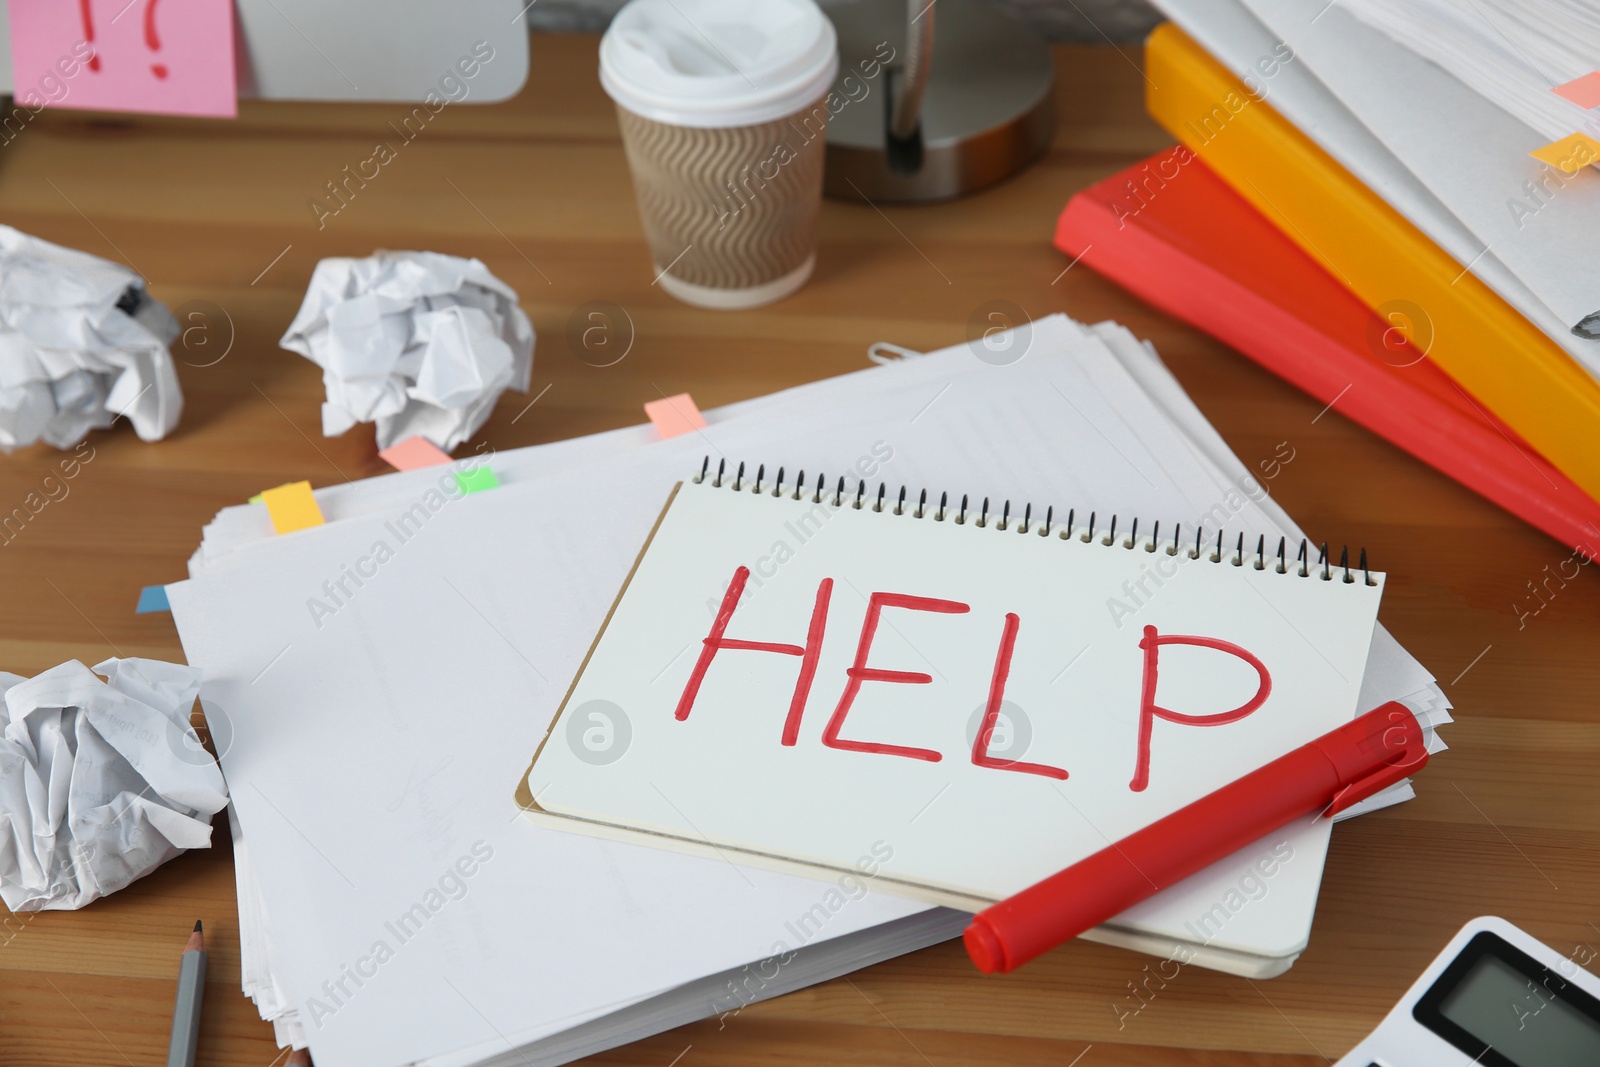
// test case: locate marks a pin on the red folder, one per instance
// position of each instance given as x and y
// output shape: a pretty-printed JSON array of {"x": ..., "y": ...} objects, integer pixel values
[{"x": 1174, "y": 234}]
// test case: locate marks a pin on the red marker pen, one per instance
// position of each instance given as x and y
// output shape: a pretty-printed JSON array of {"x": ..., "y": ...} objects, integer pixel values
[{"x": 1328, "y": 775}]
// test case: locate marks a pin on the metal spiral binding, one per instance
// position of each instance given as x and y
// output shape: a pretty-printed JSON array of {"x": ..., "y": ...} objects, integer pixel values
[{"x": 1323, "y": 567}]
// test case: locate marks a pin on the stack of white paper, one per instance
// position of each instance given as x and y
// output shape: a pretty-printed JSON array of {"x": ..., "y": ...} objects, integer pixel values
[
  {"x": 394, "y": 908},
  {"x": 1510, "y": 52}
]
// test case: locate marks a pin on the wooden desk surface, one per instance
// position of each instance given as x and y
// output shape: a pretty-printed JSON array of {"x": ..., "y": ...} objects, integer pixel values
[{"x": 1507, "y": 821}]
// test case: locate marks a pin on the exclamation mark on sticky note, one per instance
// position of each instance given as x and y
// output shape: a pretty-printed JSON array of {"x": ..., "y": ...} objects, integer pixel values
[{"x": 152, "y": 40}]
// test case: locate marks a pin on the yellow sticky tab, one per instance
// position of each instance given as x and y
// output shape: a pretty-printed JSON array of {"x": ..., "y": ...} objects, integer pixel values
[
  {"x": 1569, "y": 153},
  {"x": 292, "y": 507}
]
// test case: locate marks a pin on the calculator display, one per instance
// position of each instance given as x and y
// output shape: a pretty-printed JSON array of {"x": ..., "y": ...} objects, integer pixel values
[{"x": 1497, "y": 1003}]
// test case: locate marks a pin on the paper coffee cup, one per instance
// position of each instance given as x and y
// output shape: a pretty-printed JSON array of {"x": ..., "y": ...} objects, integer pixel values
[{"x": 722, "y": 110}]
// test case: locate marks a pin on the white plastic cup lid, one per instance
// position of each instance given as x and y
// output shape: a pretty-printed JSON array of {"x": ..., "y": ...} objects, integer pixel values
[{"x": 713, "y": 63}]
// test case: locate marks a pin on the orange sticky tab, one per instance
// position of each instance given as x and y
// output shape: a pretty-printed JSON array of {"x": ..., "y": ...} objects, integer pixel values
[
  {"x": 675, "y": 415},
  {"x": 292, "y": 507},
  {"x": 1570, "y": 153},
  {"x": 1584, "y": 91},
  {"x": 412, "y": 453}
]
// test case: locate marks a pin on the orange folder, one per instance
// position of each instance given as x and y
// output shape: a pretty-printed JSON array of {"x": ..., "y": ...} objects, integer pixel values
[{"x": 1176, "y": 235}]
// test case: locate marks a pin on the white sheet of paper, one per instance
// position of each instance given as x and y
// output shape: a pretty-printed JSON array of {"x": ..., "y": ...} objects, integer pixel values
[{"x": 883, "y": 769}]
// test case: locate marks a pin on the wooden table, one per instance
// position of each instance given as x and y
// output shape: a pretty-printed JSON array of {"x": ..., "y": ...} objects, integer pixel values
[{"x": 217, "y": 217}]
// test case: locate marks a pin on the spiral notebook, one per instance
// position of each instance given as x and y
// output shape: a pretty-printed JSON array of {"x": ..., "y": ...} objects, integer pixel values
[{"x": 951, "y": 699}]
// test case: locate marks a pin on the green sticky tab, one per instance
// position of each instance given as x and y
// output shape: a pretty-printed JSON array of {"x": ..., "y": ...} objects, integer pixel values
[
  {"x": 256, "y": 499},
  {"x": 476, "y": 480}
]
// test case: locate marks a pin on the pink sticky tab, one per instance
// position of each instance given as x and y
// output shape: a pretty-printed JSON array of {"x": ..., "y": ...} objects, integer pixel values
[
  {"x": 675, "y": 415},
  {"x": 1584, "y": 91},
  {"x": 412, "y": 453},
  {"x": 166, "y": 57}
]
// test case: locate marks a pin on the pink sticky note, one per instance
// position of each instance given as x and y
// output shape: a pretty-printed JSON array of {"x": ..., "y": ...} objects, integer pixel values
[
  {"x": 675, "y": 415},
  {"x": 412, "y": 453},
  {"x": 1584, "y": 91},
  {"x": 168, "y": 57}
]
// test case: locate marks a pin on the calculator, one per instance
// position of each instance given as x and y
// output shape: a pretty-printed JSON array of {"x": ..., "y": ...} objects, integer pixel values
[{"x": 1495, "y": 997}]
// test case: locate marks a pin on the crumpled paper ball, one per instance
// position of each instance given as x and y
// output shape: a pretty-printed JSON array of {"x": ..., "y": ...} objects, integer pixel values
[
  {"x": 418, "y": 342},
  {"x": 81, "y": 343},
  {"x": 100, "y": 782}
]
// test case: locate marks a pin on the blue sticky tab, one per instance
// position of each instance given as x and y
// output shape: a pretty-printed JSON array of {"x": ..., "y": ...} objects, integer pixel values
[{"x": 152, "y": 598}]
